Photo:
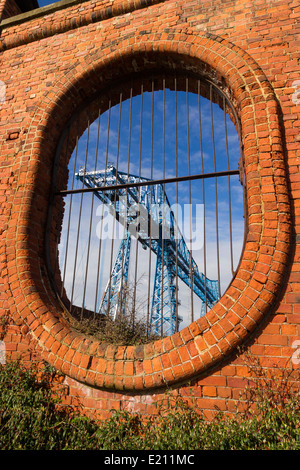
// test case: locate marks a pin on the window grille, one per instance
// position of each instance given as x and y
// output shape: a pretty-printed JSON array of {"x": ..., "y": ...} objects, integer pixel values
[{"x": 147, "y": 184}]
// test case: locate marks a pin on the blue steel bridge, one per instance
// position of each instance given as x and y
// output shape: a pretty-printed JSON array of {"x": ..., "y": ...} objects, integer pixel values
[{"x": 143, "y": 208}]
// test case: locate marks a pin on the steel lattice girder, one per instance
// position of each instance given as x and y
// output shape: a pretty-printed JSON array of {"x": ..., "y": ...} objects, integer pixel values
[
  {"x": 114, "y": 297},
  {"x": 157, "y": 218}
]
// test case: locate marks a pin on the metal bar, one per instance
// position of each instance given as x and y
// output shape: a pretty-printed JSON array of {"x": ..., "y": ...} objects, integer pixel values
[
  {"x": 115, "y": 200},
  {"x": 216, "y": 189},
  {"x": 203, "y": 194},
  {"x": 229, "y": 188},
  {"x": 69, "y": 217},
  {"x": 177, "y": 179},
  {"x": 124, "y": 230},
  {"x": 91, "y": 221},
  {"x": 163, "y": 220},
  {"x": 177, "y": 198},
  {"x": 117, "y": 166},
  {"x": 99, "y": 247},
  {"x": 190, "y": 194},
  {"x": 151, "y": 200},
  {"x": 128, "y": 172},
  {"x": 139, "y": 198},
  {"x": 100, "y": 235},
  {"x": 56, "y": 261},
  {"x": 124, "y": 298},
  {"x": 79, "y": 221},
  {"x": 106, "y": 161}
]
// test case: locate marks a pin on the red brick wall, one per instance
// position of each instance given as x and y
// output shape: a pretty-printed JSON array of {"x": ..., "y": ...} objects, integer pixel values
[
  {"x": 8, "y": 9},
  {"x": 51, "y": 64}
]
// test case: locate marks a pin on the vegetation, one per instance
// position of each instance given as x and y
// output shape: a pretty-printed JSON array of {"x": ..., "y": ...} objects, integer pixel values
[
  {"x": 31, "y": 417},
  {"x": 126, "y": 331},
  {"x": 129, "y": 328}
]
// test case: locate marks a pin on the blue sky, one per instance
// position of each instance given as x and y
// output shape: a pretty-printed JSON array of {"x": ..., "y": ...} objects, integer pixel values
[{"x": 43, "y": 3}]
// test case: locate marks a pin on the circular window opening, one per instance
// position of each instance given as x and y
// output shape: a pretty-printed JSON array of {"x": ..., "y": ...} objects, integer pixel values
[{"x": 149, "y": 207}]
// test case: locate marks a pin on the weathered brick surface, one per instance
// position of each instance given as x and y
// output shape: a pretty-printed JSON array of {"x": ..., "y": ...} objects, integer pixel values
[
  {"x": 52, "y": 63},
  {"x": 8, "y": 9}
]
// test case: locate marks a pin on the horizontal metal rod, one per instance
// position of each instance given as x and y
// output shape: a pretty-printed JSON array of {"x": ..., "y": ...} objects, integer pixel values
[{"x": 177, "y": 179}]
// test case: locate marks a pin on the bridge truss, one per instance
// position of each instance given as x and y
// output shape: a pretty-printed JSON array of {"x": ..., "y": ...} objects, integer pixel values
[{"x": 143, "y": 208}]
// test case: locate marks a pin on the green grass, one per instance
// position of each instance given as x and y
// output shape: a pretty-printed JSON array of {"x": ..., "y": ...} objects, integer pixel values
[{"x": 31, "y": 418}]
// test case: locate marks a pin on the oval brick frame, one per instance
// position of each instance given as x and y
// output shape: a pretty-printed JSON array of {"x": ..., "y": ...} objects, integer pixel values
[{"x": 252, "y": 292}]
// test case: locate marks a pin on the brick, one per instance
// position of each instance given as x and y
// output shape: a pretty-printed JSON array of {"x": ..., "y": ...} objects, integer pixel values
[
  {"x": 76, "y": 47},
  {"x": 209, "y": 391}
]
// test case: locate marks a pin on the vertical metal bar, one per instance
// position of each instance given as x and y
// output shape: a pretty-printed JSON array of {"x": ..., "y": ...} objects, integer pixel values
[
  {"x": 115, "y": 199},
  {"x": 106, "y": 162},
  {"x": 203, "y": 194},
  {"x": 100, "y": 235},
  {"x": 229, "y": 187},
  {"x": 115, "y": 195},
  {"x": 56, "y": 263},
  {"x": 79, "y": 217},
  {"x": 91, "y": 218},
  {"x": 190, "y": 199},
  {"x": 140, "y": 169},
  {"x": 151, "y": 199},
  {"x": 216, "y": 189},
  {"x": 176, "y": 163},
  {"x": 163, "y": 218},
  {"x": 70, "y": 210},
  {"x": 123, "y": 298}
]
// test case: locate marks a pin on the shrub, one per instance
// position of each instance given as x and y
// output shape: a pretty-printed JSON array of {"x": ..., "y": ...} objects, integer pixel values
[
  {"x": 123, "y": 331},
  {"x": 32, "y": 417},
  {"x": 128, "y": 328}
]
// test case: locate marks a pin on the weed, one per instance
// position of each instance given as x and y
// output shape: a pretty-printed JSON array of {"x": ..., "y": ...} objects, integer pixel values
[{"x": 32, "y": 417}]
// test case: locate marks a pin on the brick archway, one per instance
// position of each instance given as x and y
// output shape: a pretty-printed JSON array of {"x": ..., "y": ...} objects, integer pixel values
[{"x": 254, "y": 289}]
